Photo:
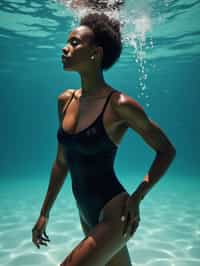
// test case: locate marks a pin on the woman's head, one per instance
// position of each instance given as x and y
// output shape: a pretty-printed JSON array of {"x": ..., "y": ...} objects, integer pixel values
[{"x": 96, "y": 41}]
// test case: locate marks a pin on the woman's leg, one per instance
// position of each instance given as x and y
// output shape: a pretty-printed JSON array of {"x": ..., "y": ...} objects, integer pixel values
[
  {"x": 122, "y": 257},
  {"x": 85, "y": 227},
  {"x": 104, "y": 241}
]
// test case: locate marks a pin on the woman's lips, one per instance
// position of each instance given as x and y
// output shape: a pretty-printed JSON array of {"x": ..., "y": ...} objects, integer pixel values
[{"x": 65, "y": 58}]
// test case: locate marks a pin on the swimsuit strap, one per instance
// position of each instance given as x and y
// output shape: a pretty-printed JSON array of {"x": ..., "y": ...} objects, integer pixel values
[
  {"x": 104, "y": 107},
  {"x": 68, "y": 102},
  {"x": 107, "y": 100}
]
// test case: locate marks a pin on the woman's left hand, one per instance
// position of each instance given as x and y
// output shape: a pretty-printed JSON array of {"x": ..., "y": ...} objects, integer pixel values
[{"x": 130, "y": 216}]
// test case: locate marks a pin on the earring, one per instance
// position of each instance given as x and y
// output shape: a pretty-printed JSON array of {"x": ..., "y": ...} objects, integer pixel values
[{"x": 92, "y": 57}]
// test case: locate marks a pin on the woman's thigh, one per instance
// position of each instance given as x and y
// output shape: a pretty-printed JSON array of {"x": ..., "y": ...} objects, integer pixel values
[
  {"x": 103, "y": 241},
  {"x": 122, "y": 257}
]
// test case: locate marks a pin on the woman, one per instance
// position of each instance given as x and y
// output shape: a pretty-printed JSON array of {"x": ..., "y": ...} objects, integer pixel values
[{"x": 93, "y": 120}]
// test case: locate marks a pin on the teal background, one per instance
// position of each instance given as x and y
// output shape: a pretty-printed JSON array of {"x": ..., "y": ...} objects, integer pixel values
[{"x": 163, "y": 57}]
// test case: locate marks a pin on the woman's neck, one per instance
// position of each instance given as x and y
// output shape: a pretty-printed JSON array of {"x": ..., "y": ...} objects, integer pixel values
[{"x": 92, "y": 84}]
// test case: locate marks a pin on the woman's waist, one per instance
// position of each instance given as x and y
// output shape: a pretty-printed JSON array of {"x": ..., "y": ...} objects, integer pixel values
[
  {"x": 93, "y": 172},
  {"x": 89, "y": 189},
  {"x": 92, "y": 199},
  {"x": 90, "y": 203}
]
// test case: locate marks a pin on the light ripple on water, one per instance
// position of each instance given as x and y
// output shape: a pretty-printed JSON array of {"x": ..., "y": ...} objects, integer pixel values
[
  {"x": 168, "y": 233},
  {"x": 30, "y": 259}
]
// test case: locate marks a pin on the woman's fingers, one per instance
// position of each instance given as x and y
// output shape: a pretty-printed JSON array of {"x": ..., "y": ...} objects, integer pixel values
[
  {"x": 134, "y": 228},
  {"x": 126, "y": 223},
  {"x": 44, "y": 239},
  {"x": 34, "y": 237},
  {"x": 130, "y": 225},
  {"x": 134, "y": 225},
  {"x": 43, "y": 243},
  {"x": 38, "y": 239},
  {"x": 45, "y": 234},
  {"x": 39, "y": 236},
  {"x": 36, "y": 242}
]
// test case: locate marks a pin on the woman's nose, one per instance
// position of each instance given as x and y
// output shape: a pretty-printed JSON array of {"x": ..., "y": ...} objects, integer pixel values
[{"x": 65, "y": 49}]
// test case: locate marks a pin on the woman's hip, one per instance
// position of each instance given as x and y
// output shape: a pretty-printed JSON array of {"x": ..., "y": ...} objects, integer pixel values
[{"x": 94, "y": 211}]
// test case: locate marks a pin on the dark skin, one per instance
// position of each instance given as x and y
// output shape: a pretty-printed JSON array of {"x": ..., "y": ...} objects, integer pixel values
[
  {"x": 77, "y": 57},
  {"x": 81, "y": 55}
]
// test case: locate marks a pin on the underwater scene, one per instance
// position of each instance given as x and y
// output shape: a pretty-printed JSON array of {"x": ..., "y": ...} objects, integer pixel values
[{"x": 159, "y": 68}]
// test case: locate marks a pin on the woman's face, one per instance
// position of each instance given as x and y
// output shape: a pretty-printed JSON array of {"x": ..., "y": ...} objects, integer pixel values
[{"x": 78, "y": 50}]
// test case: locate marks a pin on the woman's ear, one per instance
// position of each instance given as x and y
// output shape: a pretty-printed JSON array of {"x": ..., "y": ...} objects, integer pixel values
[{"x": 98, "y": 52}]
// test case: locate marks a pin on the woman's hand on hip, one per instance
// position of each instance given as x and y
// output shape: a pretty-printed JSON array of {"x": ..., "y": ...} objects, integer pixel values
[
  {"x": 39, "y": 236},
  {"x": 130, "y": 216}
]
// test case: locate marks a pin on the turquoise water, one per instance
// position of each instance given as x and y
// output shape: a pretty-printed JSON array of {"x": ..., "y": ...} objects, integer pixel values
[
  {"x": 159, "y": 67},
  {"x": 168, "y": 234}
]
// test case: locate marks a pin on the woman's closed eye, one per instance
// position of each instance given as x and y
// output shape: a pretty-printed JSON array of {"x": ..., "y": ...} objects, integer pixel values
[{"x": 73, "y": 42}]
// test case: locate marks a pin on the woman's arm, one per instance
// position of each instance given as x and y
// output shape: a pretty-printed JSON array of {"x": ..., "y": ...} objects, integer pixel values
[
  {"x": 57, "y": 178},
  {"x": 134, "y": 117},
  {"x": 60, "y": 168}
]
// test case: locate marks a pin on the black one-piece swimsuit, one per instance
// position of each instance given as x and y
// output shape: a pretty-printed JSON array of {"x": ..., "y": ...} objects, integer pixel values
[{"x": 90, "y": 154}]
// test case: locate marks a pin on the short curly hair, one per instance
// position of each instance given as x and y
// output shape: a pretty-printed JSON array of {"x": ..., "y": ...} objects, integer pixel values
[{"x": 107, "y": 35}]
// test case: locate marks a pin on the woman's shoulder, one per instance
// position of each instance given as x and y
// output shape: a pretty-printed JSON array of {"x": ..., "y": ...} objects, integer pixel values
[
  {"x": 121, "y": 98},
  {"x": 122, "y": 101},
  {"x": 65, "y": 95},
  {"x": 63, "y": 99}
]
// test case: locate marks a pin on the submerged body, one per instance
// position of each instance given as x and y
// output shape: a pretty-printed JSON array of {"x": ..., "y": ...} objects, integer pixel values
[
  {"x": 90, "y": 154},
  {"x": 109, "y": 215}
]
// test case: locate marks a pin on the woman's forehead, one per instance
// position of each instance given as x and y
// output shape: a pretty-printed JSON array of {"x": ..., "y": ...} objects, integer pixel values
[{"x": 82, "y": 32}]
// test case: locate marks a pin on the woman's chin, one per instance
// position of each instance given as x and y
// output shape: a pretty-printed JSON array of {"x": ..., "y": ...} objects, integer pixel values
[{"x": 67, "y": 68}]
